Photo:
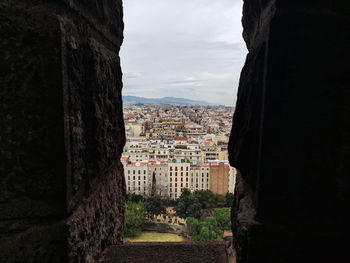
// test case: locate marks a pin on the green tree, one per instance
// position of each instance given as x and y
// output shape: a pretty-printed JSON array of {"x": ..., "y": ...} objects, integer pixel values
[
  {"x": 207, "y": 230},
  {"x": 134, "y": 198},
  {"x": 188, "y": 206},
  {"x": 135, "y": 217},
  {"x": 154, "y": 206},
  {"x": 220, "y": 200},
  {"x": 192, "y": 225},
  {"x": 206, "y": 198},
  {"x": 185, "y": 192},
  {"x": 229, "y": 199},
  {"x": 154, "y": 184},
  {"x": 223, "y": 218}
]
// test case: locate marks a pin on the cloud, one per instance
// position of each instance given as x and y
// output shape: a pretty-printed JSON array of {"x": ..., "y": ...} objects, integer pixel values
[{"x": 171, "y": 46}]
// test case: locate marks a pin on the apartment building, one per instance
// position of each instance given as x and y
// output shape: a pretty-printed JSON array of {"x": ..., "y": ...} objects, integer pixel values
[
  {"x": 199, "y": 177},
  {"x": 137, "y": 178},
  {"x": 160, "y": 171},
  {"x": 179, "y": 177}
]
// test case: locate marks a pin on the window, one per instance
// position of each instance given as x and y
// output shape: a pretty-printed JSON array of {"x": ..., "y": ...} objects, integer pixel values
[
  {"x": 128, "y": 177},
  {"x": 133, "y": 178},
  {"x": 139, "y": 172},
  {"x": 144, "y": 171},
  {"x": 182, "y": 168},
  {"x": 171, "y": 168},
  {"x": 171, "y": 179},
  {"x": 133, "y": 171},
  {"x": 128, "y": 171},
  {"x": 175, "y": 168},
  {"x": 187, "y": 167},
  {"x": 144, "y": 178}
]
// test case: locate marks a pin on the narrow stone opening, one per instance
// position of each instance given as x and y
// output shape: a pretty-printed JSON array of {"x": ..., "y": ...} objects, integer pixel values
[
  {"x": 181, "y": 61},
  {"x": 62, "y": 135}
]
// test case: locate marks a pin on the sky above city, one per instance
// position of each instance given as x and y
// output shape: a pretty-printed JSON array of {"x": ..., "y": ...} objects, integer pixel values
[{"x": 183, "y": 48}]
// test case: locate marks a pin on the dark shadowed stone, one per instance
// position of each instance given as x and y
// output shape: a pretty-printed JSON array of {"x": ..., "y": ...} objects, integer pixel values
[
  {"x": 62, "y": 130},
  {"x": 181, "y": 252},
  {"x": 291, "y": 134}
]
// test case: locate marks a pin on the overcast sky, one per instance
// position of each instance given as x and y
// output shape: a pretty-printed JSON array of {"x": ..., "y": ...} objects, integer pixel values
[{"x": 183, "y": 48}]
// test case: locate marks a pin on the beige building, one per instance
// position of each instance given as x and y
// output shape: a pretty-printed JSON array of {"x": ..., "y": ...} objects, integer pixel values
[
  {"x": 133, "y": 129},
  {"x": 200, "y": 177},
  {"x": 215, "y": 153},
  {"x": 232, "y": 179},
  {"x": 160, "y": 170},
  {"x": 179, "y": 178},
  {"x": 219, "y": 177}
]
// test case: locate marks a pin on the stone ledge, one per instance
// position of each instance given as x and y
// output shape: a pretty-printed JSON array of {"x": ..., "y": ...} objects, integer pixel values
[{"x": 201, "y": 252}]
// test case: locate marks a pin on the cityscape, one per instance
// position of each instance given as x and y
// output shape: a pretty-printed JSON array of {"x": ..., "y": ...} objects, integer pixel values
[
  {"x": 178, "y": 180},
  {"x": 178, "y": 146}
]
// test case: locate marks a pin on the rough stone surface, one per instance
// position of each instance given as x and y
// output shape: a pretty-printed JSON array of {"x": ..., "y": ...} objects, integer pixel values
[
  {"x": 182, "y": 252},
  {"x": 62, "y": 130},
  {"x": 291, "y": 134}
]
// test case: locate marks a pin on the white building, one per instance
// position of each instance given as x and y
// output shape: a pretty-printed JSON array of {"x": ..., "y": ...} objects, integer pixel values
[{"x": 137, "y": 178}]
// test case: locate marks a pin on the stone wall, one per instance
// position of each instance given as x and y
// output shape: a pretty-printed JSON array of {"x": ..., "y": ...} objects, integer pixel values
[
  {"x": 61, "y": 130},
  {"x": 180, "y": 252},
  {"x": 291, "y": 134}
]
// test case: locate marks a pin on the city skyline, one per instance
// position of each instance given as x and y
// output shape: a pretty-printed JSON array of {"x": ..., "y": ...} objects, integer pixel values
[
  {"x": 180, "y": 146},
  {"x": 189, "y": 49}
]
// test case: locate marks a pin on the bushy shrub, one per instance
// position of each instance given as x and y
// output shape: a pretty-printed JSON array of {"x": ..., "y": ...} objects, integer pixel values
[
  {"x": 204, "y": 230},
  {"x": 223, "y": 218},
  {"x": 135, "y": 217}
]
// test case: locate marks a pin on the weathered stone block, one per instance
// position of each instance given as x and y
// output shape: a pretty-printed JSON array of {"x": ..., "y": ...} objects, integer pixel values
[
  {"x": 290, "y": 138},
  {"x": 61, "y": 184}
]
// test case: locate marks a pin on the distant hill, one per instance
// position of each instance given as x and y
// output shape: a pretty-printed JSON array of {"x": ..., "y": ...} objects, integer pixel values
[{"x": 165, "y": 100}]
